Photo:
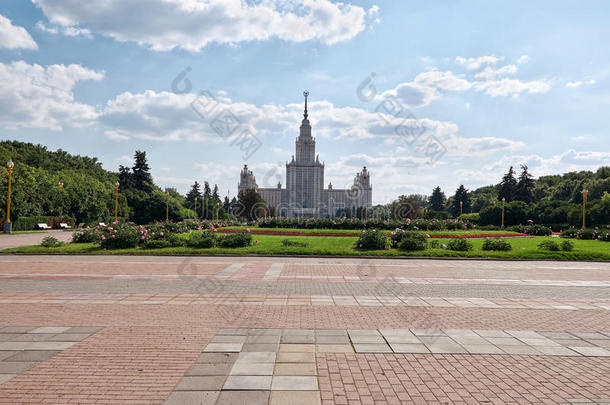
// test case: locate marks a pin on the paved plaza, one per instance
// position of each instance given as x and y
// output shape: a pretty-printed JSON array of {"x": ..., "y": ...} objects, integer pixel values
[{"x": 261, "y": 330}]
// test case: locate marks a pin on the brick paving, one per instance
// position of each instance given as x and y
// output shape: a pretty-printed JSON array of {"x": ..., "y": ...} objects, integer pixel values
[{"x": 160, "y": 314}]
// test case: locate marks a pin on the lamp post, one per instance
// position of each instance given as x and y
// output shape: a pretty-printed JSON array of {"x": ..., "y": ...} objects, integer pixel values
[
  {"x": 8, "y": 225},
  {"x": 503, "y": 201},
  {"x": 195, "y": 207},
  {"x": 584, "y": 204},
  {"x": 461, "y": 203},
  {"x": 60, "y": 184},
  {"x": 116, "y": 201},
  {"x": 167, "y": 205}
]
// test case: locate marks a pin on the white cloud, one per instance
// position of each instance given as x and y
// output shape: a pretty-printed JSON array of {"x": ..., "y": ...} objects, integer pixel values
[
  {"x": 579, "y": 83},
  {"x": 14, "y": 37},
  {"x": 507, "y": 87},
  {"x": 192, "y": 24},
  {"x": 476, "y": 63},
  {"x": 489, "y": 73},
  {"x": 42, "y": 97},
  {"x": 68, "y": 31},
  {"x": 523, "y": 59}
]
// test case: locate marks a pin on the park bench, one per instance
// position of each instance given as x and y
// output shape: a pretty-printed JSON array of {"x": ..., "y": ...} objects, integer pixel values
[
  {"x": 63, "y": 225},
  {"x": 43, "y": 226},
  {"x": 102, "y": 224}
]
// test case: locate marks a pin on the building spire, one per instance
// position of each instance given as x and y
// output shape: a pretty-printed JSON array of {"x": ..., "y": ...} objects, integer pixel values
[{"x": 305, "y": 93}]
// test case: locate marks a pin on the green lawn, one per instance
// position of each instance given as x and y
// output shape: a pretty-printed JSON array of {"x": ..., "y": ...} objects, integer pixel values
[
  {"x": 523, "y": 248},
  {"x": 348, "y": 231}
]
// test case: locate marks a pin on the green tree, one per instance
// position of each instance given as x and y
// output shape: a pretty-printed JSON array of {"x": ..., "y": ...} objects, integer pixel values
[
  {"x": 250, "y": 205},
  {"x": 507, "y": 186},
  {"x": 194, "y": 192},
  {"x": 207, "y": 194},
  {"x": 437, "y": 200},
  {"x": 524, "y": 190},
  {"x": 142, "y": 179},
  {"x": 461, "y": 194},
  {"x": 215, "y": 194}
]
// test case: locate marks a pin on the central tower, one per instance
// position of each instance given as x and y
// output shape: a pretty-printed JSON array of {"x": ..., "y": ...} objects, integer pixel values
[{"x": 305, "y": 144}]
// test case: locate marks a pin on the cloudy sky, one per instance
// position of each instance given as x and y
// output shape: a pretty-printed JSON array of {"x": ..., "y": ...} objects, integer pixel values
[{"x": 423, "y": 93}]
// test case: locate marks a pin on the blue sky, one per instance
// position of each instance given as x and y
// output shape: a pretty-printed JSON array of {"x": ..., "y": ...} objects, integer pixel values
[{"x": 480, "y": 86}]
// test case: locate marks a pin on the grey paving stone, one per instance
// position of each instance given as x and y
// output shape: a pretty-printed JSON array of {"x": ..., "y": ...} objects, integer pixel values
[
  {"x": 518, "y": 349},
  {"x": 223, "y": 347},
  {"x": 217, "y": 358},
  {"x": 573, "y": 342},
  {"x": 228, "y": 339},
  {"x": 248, "y": 382},
  {"x": 260, "y": 347},
  {"x": 264, "y": 332},
  {"x": 539, "y": 342},
  {"x": 298, "y": 339},
  {"x": 367, "y": 339},
  {"x": 14, "y": 345},
  {"x": 209, "y": 369},
  {"x": 330, "y": 348},
  {"x": 446, "y": 348},
  {"x": 492, "y": 333},
  {"x": 8, "y": 337},
  {"x": 409, "y": 348},
  {"x": 589, "y": 335},
  {"x": 332, "y": 339},
  {"x": 482, "y": 349},
  {"x": 232, "y": 331},
  {"x": 50, "y": 345},
  {"x": 296, "y": 357},
  {"x": 557, "y": 335},
  {"x": 294, "y": 383},
  {"x": 396, "y": 332},
  {"x": 32, "y": 355},
  {"x": 295, "y": 369},
  {"x": 527, "y": 334},
  {"x": 17, "y": 329},
  {"x": 372, "y": 348},
  {"x": 201, "y": 383},
  {"x": 243, "y": 398},
  {"x": 256, "y": 357},
  {"x": 331, "y": 332},
  {"x": 428, "y": 332},
  {"x": 504, "y": 341},
  {"x": 591, "y": 351},
  {"x": 50, "y": 329},
  {"x": 192, "y": 398},
  {"x": 7, "y": 353},
  {"x": 297, "y": 347},
  {"x": 472, "y": 341},
  {"x": 605, "y": 343},
  {"x": 295, "y": 398},
  {"x": 85, "y": 329},
  {"x": 33, "y": 337},
  {"x": 263, "y": 339},
  {"x": 556, "y": 351},
  {"x": 16, "y": 367},
  {"x": 363, "y": 332},
  {"x": 244, "y": 368},
  {"x": 69, "y": 337},
  {"x": 5, "y": 377}
]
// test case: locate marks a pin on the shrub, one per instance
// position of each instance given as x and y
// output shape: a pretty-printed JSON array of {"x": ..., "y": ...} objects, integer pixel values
[
  {"x": 604, "y": 236},
  {"x": 459, "y": 244},
  {"x": 121, "y": 236},
  {"x": 412, "y": 244},
  {"x": 397, "y": 236},
  {"x": 434, "y": 244},
  {"x": 30, "y": 223},
  {"x": 156, "y": 244},
  {"x": 496, "y": 244},
  {"x": 550, "y": 245},
  {"x": 202, "y": 240},
  {"x": 567, "y": 245},
  {"x": 288, "y": 242},
  {"x": 372, "y": 240},
  {"x": 235, "y": 240},
  {"x": 570, "y": 233},
  {"x": 538, "y": 230},
  {"x": 50, "y": 242},
  {"x": 587, "y": 234},
  {"x": 87, "y": 235}
]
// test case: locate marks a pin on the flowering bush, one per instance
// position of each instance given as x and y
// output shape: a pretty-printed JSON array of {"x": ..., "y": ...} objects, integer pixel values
[
  {"x": 408, "y": 240},
  {"x": 372, "y": 240},
  {"x": 496, "y": 244},
  {"x": 549, "y": 245},
  {"x": 459, "y": 244},
  {"x": 87, "y": 235},
  {"x": 50, "y": 242},
  {"x": 604, "y": 236},
  {"x": 202, "y": 240},
  {"x": 121, "y": 236},
  {"x": 235, "y": 240},
  {"x": 342, "y": 223}
]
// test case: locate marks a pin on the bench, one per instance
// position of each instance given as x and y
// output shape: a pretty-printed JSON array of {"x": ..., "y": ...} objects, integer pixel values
[
  {"x": 63, "y": 225},
  {"x": 102, "y": 224},
  {"x": 43, "y": 226}
]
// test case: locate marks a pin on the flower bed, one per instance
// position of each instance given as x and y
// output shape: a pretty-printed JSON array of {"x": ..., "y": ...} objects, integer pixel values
[{"x": 357, "y": 234}]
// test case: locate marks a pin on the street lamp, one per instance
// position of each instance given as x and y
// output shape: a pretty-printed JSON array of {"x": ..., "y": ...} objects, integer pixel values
[
  {"x": 461, "y": 203},
  {"x": 167, "y": 205},
  {"x": 584, "y": 204},
  {"x": 8, "y": 225},
  {"x": 195, "y": 207},
  {"x": 60, "y": 184},
  {"x": 503, "y": 201},
  {"x": 116, "y": 201}
]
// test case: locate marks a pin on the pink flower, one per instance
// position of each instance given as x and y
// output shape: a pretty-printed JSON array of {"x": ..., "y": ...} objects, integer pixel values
[
  {"x": 110, "y": 228},
  {"x": 256, "y": 241},
  {"x": 103, "y": 237},
  {"x": 143, "y": 237},
  {"x": 160, "y": 233}
]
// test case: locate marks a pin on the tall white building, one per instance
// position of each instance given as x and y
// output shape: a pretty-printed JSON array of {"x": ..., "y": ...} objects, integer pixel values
[{"x": 305, "y": 195}]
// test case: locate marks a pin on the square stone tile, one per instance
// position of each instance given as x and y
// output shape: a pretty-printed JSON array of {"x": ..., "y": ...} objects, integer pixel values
[
  {"x": 264, "y": 339},
  {"x": 557, "y": 335},
  {"x": 248, "y": 382},
  {"x": 33, "y": 337},
  {"x": 409, "y": 348},
  {"x": 589, "y": 335},
  {"x": 539, "y": 342},
  {"x": 84, "y": 329},
  {"x": 573, "y": 342},
  {"x": 5, "y": 377},
  {"x": 260, "y": 347},
  {"x": 223, "y": 347},
  {"x": 518, "y": 349},
  {"x": 217, "y": 358},
  {"x": 17, "y": 329},
  {"x": 9, "y": 337},
  {"x": 209, "y": 369},
  {"x": 503, "y": 341},
  {"x": 492, "y": 333},
  {"x": 295, "y": 398},
  {"x": 331, "y": 332},
  {"x": 297, "y": 332},
  {"x": 50, "y": 329},
  {"x": 244, "y": 368},
  {"x": 264, "y": 332},
  {"x": 347, "y": 348},
  {"x": 7, "y": 353},
  {"x": 294, "y": 383},
  {"x": 372, "y": 348},
  {"x": 14, "y": 345},
  {"x": 32, "y": 355},
  {"x": 591, "y": 351},
  {"x": 228, "y": 339},
  {"x": 243, "y": 398},
  {"x": 307, "y": 348},
  {"x": 201, "y": 383},
  {"x": 16, "y": 367},
  {"x": 396, "y": 332},
  {"x": 482, "y": 349},
  {"x": 50, "y": 345},
  {"x": 332, "y": 339},
  {"x": 68, "y": 337},
  {"x": 526, "y": 334},
  {"x": 363, "y": 332},
  {"x": 192, "y": 398},
  {"x": 556, "y": 351},
  {"x": 367, "y": 339},
  {"x": 605, "y": 343},
  {"x": 256, "y": 357},
  {"x": 446, "y": 348},
  {"x": 295, "y": 357},
  {"x": 295, "y": 369},
  {"x": 428, "y": 332},
  {"x": 298, "y": 339}
]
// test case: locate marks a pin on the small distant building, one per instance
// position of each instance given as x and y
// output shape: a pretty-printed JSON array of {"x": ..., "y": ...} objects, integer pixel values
[{"x": 305, "y": 195}]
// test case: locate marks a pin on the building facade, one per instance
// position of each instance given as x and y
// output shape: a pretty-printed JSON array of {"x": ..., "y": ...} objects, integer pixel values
[{"x": 305, "y": 195}]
